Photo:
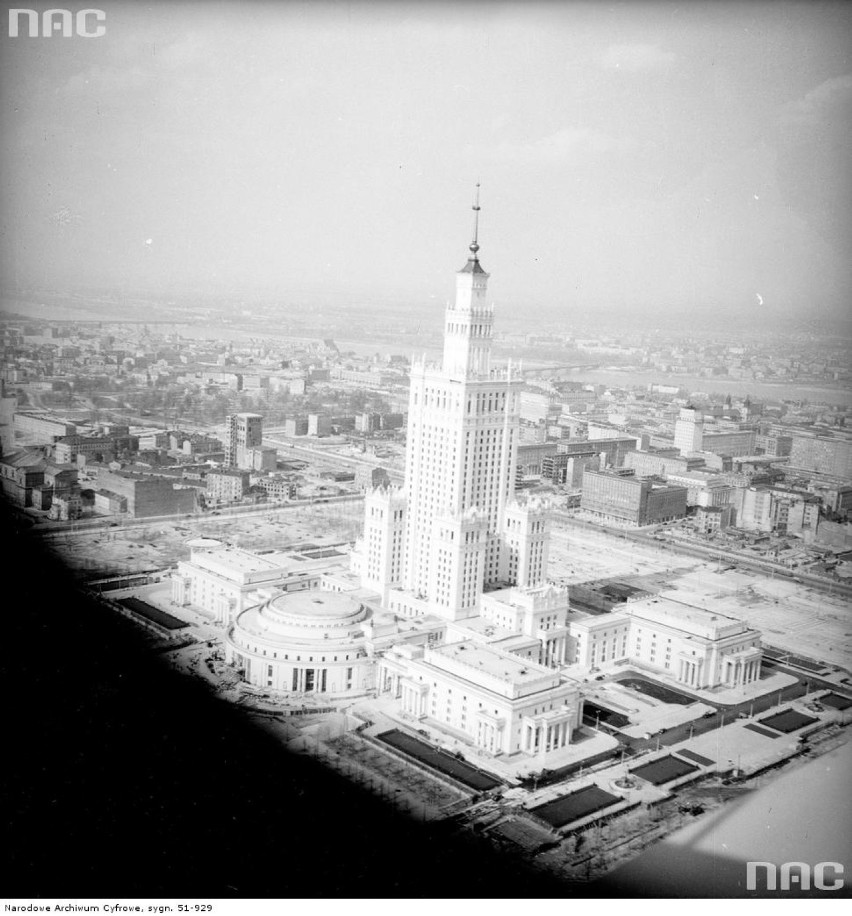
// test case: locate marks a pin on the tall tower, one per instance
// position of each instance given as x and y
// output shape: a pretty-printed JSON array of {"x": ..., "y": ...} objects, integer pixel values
[
  {"x": 527, "y": 538},
  {"x": 463, "y": 420},
  {"x": 384, "y": 530},
  {"x": 689, "y": 431},
  {"x": 469, "y": 321}
]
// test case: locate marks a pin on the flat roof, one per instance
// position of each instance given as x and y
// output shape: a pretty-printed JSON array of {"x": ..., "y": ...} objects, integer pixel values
[
  {"x": 238, "y": 559},
  {"x": 673, "y": 609},
  {"x": 489, "y": 661},
  {"x": 314, "y": 603},
  {"x": 485, "y": 627}
]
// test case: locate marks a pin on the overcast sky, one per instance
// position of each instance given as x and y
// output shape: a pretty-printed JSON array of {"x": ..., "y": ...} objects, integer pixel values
[{"x": 690, "y": 156}]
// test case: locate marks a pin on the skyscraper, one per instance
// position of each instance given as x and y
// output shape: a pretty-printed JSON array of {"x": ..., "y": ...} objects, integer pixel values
[{"x": 450, "y": 526}]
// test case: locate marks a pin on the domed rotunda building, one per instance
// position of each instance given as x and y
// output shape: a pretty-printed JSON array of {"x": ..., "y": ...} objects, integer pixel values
[{"x": 315, "y": 641}]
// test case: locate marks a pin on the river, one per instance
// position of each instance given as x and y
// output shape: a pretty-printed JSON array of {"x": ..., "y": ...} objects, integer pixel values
[
  {"x": 801, "y": 815},
  {"x": 637, "y": 378}
]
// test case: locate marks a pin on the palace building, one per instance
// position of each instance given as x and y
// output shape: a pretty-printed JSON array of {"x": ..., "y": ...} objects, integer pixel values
[
  {"x": 446, "y": 614},
  {"x": 698, "y": 648}
]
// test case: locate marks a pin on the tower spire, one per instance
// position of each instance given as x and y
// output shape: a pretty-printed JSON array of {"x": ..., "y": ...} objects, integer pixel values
[{"x": 474, "y": 245}]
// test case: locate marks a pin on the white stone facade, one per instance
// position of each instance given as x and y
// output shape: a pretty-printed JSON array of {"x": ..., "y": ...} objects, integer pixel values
[
  {"x": 698, "y": 648},
  {"x": 308, "y": 643},
  {"x": 456, "y": 528},
  {"x": 504, "y": 704},
  {"x": 224, "y": 580}
]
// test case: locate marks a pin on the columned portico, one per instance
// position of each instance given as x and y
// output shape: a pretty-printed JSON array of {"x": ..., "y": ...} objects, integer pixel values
[
  {"x": 389, "y": 677},
  {"x": 689, "y": 672},
  {"x": 413, "y": 697},
  {"x": 547, "y": 732},
  {"x": 742, "y": 668},
  {"x": 554, "y": 647},
  {"x": 489, "y": 732}
]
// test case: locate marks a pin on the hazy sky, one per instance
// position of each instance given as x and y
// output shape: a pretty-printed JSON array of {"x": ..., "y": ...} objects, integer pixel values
[{"x": 640, "y": 156}]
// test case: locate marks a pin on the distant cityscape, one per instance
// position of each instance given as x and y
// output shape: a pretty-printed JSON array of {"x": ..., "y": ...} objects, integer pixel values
[{"x": 497, "y": 594}]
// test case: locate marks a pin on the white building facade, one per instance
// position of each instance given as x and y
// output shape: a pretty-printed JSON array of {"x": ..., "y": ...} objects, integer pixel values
[
  {"x": 696, "y": 647},
  {"x": 689, "y": 431},
  {"x": 456, "y": 528},
  {"x": 223, "y": 581},
  {"x": 504, "y": 704},
  {"x": 308, "y": 643}
]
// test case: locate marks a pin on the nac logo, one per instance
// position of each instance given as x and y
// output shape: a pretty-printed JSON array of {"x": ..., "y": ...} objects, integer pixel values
[
  {"x": 83, "y": 23},
  {"x": 826, "y": 876}
]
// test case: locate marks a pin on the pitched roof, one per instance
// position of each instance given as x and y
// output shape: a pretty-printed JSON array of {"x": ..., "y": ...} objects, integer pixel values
[{"x": 472, "y": 267}]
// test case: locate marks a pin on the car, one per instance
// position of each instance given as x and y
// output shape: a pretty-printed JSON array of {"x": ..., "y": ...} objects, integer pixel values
[
  {"x": 709, "y": 715},
  {"x": 601, "y": 677}
]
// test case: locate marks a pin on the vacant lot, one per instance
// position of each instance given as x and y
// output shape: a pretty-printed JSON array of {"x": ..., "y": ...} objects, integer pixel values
[{"x": 138, "y": 547}]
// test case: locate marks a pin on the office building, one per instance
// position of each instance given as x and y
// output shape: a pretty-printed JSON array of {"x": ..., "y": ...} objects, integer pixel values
[
  {"x": 689, "y": 431},
  {"x": 697, "y": 647},
  {"x": 623, "y": 497}
]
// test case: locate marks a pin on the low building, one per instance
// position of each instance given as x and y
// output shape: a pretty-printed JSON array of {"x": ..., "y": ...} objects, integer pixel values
[
  {"x": 703, "y": 488},
  {"x": 531, "y": 458},
  {"x": 296, "y": 426},
  {"x": 147, "y": 495},
  {"x": 94, "y": 448},
  {"x": 710, "y": 519},
  {"x": 735, "y": 443},
  {"x": 623, "y": 497},
  {"x": 264, "y": 458},
  {"x": 227, "y": 485},
  {"x": 697, "y": 647},
  {"x": 41, "y": 428},
  {"x": 319, "y": 425},
  {"x": 774, "y": 510},
  {"x": 502, "y": 703},
  {"x": 308, "y": 643},
  {"x": 369, "y": 478},
  {"x": 223, "y": 580},
  {"x": 110, "y": 503},
  {"x": 277, "y": 487},
  {"x": 613, "y": 451},
  {"x": 569, "y": 469},
  {"x": 20, "y": 473},
  {"x": 66, "y": 507},
  {"x": 828, "y": 455}
]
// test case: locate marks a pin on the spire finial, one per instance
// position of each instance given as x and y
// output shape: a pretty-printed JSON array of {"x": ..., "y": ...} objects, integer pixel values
[{"x": 474, "y": 245}]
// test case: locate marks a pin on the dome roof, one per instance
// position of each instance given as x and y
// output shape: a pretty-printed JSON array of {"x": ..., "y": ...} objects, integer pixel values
[{"x": 305, "y": 615}]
